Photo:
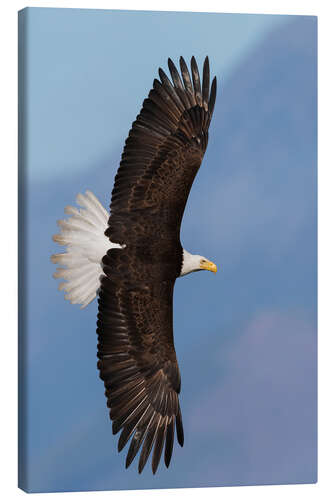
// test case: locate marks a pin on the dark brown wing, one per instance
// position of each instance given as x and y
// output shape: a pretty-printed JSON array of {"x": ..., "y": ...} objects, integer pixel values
[
  {"x": 163, "y": 151},
  {"x": 138, "y": 364}
]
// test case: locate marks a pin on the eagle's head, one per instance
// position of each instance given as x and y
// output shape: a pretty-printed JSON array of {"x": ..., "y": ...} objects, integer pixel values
[{"x": 192, "y": 263}]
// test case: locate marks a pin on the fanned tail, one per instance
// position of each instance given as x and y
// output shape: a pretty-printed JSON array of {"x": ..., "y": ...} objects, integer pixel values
[{"x": 83, "y": 236}]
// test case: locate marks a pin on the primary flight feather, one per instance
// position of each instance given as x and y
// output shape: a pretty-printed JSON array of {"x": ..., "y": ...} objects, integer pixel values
[{"x": 131, "y": 258}]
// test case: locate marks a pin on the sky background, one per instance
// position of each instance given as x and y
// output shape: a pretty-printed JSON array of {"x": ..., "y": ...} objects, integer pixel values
[{"x": 245, "y": 337}]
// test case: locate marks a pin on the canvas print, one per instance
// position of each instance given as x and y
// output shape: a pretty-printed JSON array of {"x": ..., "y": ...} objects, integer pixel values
[{"x": 152, "y": 146}]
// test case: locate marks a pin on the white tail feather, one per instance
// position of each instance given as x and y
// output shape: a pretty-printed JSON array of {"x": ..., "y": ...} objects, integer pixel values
[{"x": 83, "y": 235}]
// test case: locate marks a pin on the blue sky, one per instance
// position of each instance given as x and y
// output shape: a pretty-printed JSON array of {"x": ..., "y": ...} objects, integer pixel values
[
  {"x": 245, "y": 338},
  {"x": 92, "y": 69}
]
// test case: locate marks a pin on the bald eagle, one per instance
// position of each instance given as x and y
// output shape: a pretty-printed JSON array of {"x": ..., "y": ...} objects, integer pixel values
[{"x": 131, "y": 257}]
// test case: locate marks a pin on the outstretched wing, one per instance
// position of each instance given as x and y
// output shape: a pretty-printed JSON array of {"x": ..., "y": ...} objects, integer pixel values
[
  {"x": 163, "y": 151},
  {"x": 137, "y": 362}
]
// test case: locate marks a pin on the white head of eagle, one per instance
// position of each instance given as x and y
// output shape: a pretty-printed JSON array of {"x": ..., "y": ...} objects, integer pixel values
[{"x": 192, "y": 263}]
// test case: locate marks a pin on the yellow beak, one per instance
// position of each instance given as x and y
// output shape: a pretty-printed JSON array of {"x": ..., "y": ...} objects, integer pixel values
[{"x": 209, "y": 266}]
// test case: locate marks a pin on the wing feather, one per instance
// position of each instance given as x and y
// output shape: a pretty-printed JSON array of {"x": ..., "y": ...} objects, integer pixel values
[
  {"x": 205, "y": 84},
  {"x": 196, "y": 81},
  {"x": 169, "y": 441}
]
